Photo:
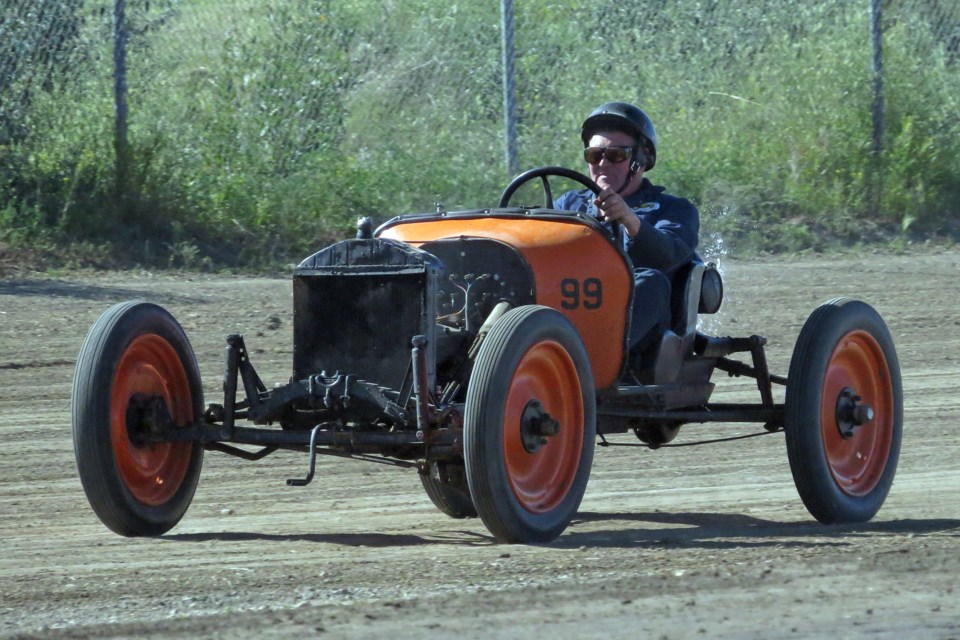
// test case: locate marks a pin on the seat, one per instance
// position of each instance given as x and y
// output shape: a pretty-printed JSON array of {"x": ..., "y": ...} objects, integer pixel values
[{"x": 696, "y": 288}]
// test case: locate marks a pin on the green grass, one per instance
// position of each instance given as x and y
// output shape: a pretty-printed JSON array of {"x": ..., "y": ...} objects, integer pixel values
[{"x": 260, "y": 131}]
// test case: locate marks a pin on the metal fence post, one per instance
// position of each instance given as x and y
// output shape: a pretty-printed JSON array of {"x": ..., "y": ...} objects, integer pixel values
[
  {"x": 120, "y": 143},
  {"x": 509, "y": 89},
  {"x": 876, "y": 35}
]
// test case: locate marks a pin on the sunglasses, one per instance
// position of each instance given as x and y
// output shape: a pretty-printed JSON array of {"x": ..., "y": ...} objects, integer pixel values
[{"x": 594, "y": 155}]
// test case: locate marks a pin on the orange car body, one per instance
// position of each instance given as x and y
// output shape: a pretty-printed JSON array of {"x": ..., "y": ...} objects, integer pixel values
[{"x": 576, "y": 266}]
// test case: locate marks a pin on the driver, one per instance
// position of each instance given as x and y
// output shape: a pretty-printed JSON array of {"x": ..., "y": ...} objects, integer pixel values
[{"x": 661, "y": 230}]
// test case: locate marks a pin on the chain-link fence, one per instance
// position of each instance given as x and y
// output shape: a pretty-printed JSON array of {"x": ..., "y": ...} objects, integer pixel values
[{"x": 239, "y": 109}]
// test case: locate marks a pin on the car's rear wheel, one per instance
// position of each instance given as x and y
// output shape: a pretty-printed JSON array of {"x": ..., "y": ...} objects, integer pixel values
[
  {"x": 529, "y": 425},
  {"x": 844, "y": 412},
  {"x": 136, "y": 372},
  {"x": 446, "y": 485}
]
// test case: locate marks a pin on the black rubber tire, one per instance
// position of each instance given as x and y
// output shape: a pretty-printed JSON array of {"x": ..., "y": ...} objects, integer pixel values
[
  {"x": 135, "y": 490},
  {"x": 446, "y": 486},
  {"x": 533, "y": 353},
  {"x": 844, "y": 344}
]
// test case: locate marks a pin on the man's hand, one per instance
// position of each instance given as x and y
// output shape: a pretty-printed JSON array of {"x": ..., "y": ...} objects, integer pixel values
[{"x": 614, "y": 209}]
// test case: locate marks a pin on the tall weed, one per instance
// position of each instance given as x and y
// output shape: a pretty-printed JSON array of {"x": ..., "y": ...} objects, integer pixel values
[{"x": 260, "y": 131}]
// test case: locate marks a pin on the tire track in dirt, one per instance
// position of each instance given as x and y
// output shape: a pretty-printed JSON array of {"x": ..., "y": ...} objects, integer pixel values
[{"x": 704, "y": 541}]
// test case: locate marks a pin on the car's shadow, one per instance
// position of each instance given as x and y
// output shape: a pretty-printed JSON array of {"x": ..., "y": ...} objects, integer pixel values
[
  {"x": 724, "y": 531},
  {"x": 683, "y": 530},
  {"x": 463, "y": 538}
]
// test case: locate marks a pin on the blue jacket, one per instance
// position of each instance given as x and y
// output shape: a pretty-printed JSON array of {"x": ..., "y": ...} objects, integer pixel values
[{"x": 669, "y": 226}]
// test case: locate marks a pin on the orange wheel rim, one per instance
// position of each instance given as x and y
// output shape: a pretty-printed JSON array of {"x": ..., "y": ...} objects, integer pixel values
[
  {"x": 540, "y": 480},
  {"x": 150, "y": 366},
  {"x": 857, "y": 463}
]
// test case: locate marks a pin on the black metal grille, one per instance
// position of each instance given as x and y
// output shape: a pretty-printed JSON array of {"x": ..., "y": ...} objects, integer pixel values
[{"x": 357, "y": 305}]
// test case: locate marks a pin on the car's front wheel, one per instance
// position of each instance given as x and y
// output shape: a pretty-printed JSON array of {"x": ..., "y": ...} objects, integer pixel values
[
  {"x": 529, "y": 425},
  {"x": 136, "y": 371}
]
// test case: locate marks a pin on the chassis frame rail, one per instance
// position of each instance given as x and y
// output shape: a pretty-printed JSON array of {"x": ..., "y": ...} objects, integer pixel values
[{"x": 432, "y": 436}]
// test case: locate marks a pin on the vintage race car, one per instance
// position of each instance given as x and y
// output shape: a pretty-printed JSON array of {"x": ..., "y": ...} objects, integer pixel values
[{"x": 486, "y": 349}]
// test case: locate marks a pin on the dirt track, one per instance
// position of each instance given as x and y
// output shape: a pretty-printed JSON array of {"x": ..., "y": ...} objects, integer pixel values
[{"x": 708, "y": 541}]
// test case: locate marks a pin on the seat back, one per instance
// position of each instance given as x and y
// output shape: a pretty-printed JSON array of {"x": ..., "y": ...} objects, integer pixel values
[
  {"x": 685, "y": 297},
  {"x": 696, "y": 288}
]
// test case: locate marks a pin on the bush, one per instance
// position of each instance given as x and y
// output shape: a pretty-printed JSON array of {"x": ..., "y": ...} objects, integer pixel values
[{"x": 260, "y": 131}]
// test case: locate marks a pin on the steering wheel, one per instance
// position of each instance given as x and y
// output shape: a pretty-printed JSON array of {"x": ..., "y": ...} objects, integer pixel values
[
  {"x": 563, "y": 172},
  {"x": 542, "y": 173}
]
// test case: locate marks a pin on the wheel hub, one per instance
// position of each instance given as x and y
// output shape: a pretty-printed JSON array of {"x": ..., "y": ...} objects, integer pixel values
[
  {"x": 146, "y": 416},
  {"x": 852, "y": 413},
  {"x": 536, "y": 426}
]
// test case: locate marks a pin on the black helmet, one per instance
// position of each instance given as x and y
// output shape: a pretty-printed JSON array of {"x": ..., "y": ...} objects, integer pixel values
[{"x": 622, "y": 116}]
